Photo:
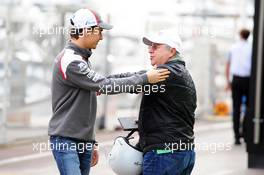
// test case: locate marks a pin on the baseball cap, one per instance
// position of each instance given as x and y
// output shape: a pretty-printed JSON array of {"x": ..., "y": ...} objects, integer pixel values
[
  {"x": 169, "y": 37},
  {"x": 85, "y": 18}
]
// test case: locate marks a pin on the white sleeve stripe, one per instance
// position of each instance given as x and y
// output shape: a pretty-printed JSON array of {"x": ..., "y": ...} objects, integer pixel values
[{"x": 67, "y": 59}]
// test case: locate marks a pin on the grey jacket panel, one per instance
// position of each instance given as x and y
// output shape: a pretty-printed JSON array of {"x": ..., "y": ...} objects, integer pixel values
[
  {"x": 74, "y": 86},
  {"x": 81, "y": 75},
  {"x": 127, "y": 74}
]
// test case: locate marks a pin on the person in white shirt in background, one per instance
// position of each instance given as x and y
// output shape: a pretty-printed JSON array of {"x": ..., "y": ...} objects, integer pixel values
[{"x": 239, "y": 69}]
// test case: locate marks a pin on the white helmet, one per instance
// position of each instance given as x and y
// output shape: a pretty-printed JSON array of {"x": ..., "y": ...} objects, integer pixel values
[{"x": 124, "y": 158}]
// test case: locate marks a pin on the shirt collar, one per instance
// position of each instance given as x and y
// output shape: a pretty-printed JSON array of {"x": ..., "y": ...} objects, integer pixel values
[{"x": 85, "y": 53}]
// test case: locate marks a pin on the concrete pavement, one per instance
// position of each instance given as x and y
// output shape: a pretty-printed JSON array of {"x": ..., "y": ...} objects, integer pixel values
[{"x": 216, "y": 154}]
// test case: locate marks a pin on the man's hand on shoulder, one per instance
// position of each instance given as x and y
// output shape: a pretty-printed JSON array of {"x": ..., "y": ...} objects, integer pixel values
[{"x": 157, "y": 75}]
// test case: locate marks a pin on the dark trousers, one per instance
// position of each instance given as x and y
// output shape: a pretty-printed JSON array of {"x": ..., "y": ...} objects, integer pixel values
[
  {"x": 240, "y": 88},
  {"x": 176, "y": 163}
]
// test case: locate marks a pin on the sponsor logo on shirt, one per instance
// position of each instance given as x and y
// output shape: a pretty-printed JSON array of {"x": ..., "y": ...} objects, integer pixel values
[{"x": 83, "y": 67}]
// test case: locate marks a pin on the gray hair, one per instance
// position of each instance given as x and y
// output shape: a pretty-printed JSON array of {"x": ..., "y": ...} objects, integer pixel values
[{"x": 169, "y": 47}]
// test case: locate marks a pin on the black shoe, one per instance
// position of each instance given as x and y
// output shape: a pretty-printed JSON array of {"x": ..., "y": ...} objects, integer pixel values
[{"x": 237, "y": 142}]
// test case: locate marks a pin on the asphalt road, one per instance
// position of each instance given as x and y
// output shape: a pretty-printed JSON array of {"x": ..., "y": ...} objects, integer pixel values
[{"x": 216, "y": 154}]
